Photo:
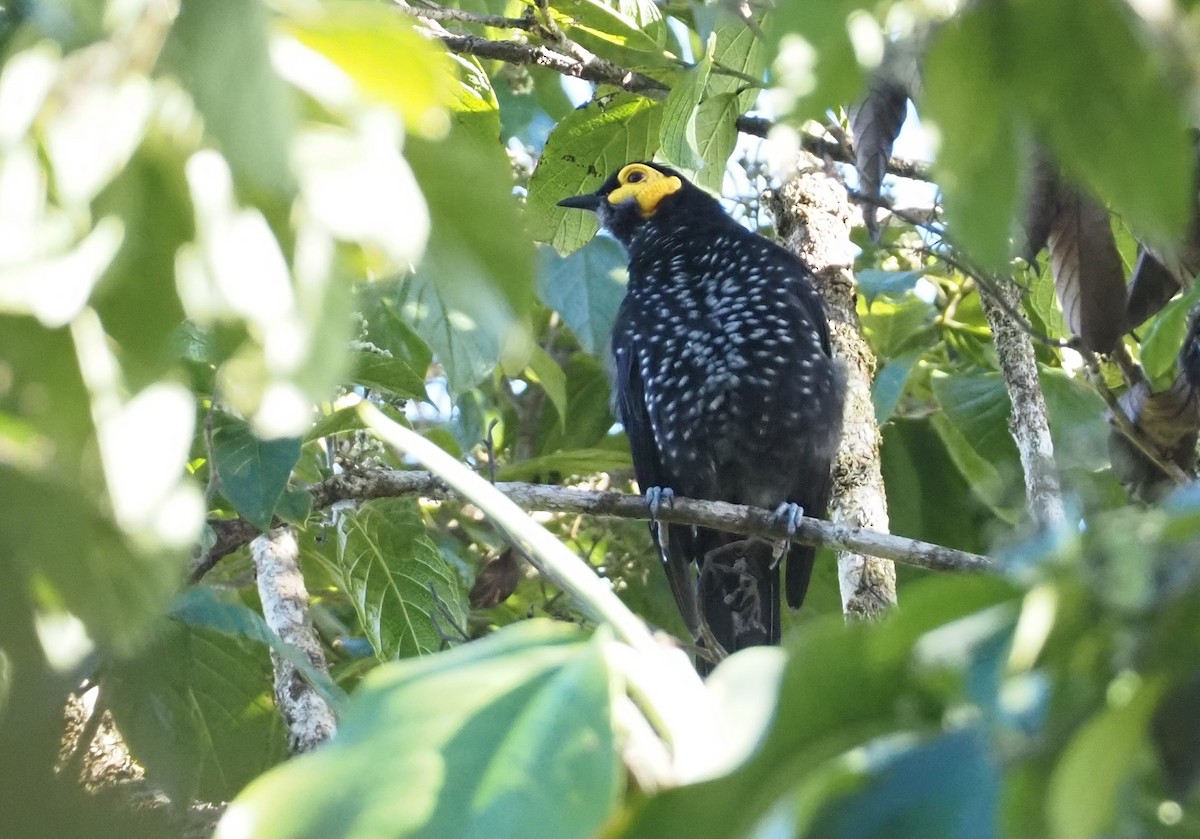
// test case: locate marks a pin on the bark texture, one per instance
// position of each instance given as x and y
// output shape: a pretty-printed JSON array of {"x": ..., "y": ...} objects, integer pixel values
[
  {"x": 812, "y": 214},
  {"x": 1028, "y": 422},
  {"x": 309, "y": 719}
]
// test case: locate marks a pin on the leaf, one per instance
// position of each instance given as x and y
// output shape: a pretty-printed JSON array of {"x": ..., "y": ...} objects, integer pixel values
[
  {"x": 577, "y": 462},
  {"x": 586, "y": 288},
  {"x": 1087, "y": 781},
  {"x": 589, "y": 418},
  {"x": 1091, "y": 112},
  {"x": 629, "y": 32},
  {"x": 219, "y": 50},
  {"x": 1088, "y": 275},
  {"x": 977, "y": 161},
  {"x": 891, "y": 283},
  {"x": 546, "y": 372},
  {"x": 1077, "y": 425},
  {"x": 875, "y": 123},
  {"x": 815, "y": 719},
  {"x": 945, "y": 788},
  {"x": 677, "y": 133},
  {"x": 482, "y": 741},
  {"x": 253, "y": 472},
  {"x": 837, "y": 76},
  {"x": 587, "y": 146},
  {"x": 894, "y": 327},
  {"x": 979, "y": 406},
  {"x": 716, "y": 137},
  {"x": 387, "y": 59},
  {"x": 392, "y": 573},
  {"x": 402, "y": 363},
  {"x": 203, "y": 608},
  {"x": 890, "y": 382},
  {"x": 482, "y": 273},
  {"x": 1164, "y": 337},
  {"x": 467, "y": 350}
]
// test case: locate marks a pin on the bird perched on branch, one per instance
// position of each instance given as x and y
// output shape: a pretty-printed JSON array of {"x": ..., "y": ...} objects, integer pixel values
[{"x": 728, "y": 390}]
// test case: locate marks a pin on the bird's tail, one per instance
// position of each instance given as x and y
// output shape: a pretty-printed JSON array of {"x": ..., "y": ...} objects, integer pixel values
[{"x": 739, "y": 594}]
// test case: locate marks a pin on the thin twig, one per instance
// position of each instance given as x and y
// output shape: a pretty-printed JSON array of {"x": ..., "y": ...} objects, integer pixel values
[{"x": 435, "y": 11}]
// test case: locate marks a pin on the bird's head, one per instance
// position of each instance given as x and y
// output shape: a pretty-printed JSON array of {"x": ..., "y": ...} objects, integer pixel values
[{"x": 635, "y": 195}]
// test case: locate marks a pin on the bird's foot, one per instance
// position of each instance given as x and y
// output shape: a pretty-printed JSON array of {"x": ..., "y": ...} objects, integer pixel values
[
  {"x": 658, "y": 498},
  {"x": 788, "y": 514}
]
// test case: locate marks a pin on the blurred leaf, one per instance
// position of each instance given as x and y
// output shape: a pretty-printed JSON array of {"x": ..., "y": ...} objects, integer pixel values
[
  {"x": 566, "y": 464},
  {"x": 475, "y": 106},
  {"x": 979, "y": 407},
  {"x": 218, "y": 49},
  {"x": 475, "y": 742},
  {"x": 977, "y": 161},
  {"x": 1092, "y": 111},
  {"x": 388, "y": 60},
  {"x": 586, "y": 288},
  {"x": 890, "y": 283},
  {"x": 893, "y": 327},
  {"x": 138, "y": 305},
  {"x": 588, "y": 415},
  {"x": 876, "y": 122},
  {"x": 1087, "y": 781},
  {"x": 393, "y": 574},
  {"x": 837, "y": 77},
  {"x": 588, "y": 145},
  {"x": 1077, "y": 423},
  {"x": 253, "y": 472},
  {"x": 986, "y": 481},
  {"x": 946, "y": 788},
  {"x": 1164, "y": 338},
  {"x": 552, "y": 380},
  {"x": 482, "y": 272},
  {"x": 890, "y": 382}
]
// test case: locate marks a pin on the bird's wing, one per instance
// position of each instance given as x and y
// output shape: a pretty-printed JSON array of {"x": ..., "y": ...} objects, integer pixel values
[{"x": 635, "y": 417}]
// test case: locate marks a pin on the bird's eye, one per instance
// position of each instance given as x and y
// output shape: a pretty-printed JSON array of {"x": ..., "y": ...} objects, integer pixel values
[{"x": 635, "y": 176}]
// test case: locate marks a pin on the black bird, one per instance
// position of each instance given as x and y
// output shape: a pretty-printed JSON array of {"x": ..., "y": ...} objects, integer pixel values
[{"x": 727, "y": 388}]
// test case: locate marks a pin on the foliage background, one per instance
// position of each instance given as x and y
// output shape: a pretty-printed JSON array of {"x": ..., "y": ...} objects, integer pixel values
[{"x": 219, "y": 217}]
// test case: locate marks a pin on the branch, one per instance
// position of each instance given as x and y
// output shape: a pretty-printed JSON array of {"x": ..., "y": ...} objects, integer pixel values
[
  {"x": 1028, "y": 422},
  {"x": 308, "y": 717},
  {"x": 842, "y": 152},
  {"x": 366, "y": 484},
  {"x": 433, "y": 11}
]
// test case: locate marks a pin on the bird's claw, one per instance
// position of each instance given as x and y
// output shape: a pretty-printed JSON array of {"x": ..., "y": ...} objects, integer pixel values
[
  {"x": 658, "y": 498},
  {"x": 790, "y": 515}
]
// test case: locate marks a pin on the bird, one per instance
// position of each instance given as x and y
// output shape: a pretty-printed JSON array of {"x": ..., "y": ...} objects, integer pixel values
[{"x": 728, "y": 389}]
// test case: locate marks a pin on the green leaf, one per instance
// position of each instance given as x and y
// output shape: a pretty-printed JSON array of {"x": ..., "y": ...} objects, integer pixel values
[
  {"x": 1077, "y": 424},
  {"x": 567, "y": 464},
  {"x": 486, "y": 740},
  {"x": 546, "y": 372},
  {"x": 837, "y": 77},
  {"x": 482, "y": 273},
  {"x": 978, "y": 157},
  {"x": 979, "y": 407},
  {"x": 893, "y": 327},
  {"x": 466, "y": 349},
  {"x": 889, "y": 283},
  {"x": 203, "y": 608},
  {"x": 1164, "y": 336},
  {"x": 475, "y": 106},
  {"x": 586, "y": 288},
  {"x": 218, "y": 48},
  {"x": 1087, "y": 781},
  {"x": 1091, "y": 112},
  {"x": 816, "y": 718},
  {"x": 140, "y": 311},
  {"x": 587, "y": 146},
  {"x": 716, "y": 137},
  {"x": 890, "y": 382},
  {"x": 393, "y": 572},
  {"x": 253, "y": 472},
  {"x": 196, "y": 710},
  {"x": 389, "y": 61},
  {"x": 629, "y": 32},
  {"x": 589, "y": 411},
  {"x": 677, "y": 133},
  {"x": 945, "y": 788},
  {"x": 986, "y": 482}
]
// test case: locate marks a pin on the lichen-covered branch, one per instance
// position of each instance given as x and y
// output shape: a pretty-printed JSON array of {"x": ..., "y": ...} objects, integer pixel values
[
  {"x": 812, "y": 215},
  {"x": 309, "y": 718},
  {"x": 366, "y": 484},
  {"x": 1028, "y": 422}
]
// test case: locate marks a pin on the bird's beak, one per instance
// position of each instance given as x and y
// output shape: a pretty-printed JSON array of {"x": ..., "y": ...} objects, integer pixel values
[{"x": 591, "y": 201}]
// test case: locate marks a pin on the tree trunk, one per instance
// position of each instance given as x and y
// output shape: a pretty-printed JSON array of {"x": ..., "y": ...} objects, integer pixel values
[{"x": 812, "y": 215}]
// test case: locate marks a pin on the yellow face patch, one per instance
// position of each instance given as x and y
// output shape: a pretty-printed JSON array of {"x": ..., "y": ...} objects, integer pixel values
[{"x": 644, "y": 184}]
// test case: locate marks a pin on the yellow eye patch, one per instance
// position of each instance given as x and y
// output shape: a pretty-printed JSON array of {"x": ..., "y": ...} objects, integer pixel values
[{"x": 644, "y": 184}]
